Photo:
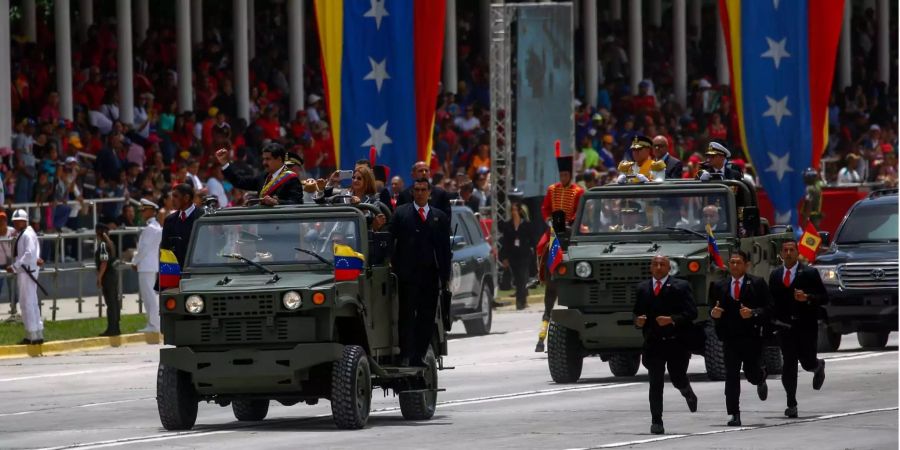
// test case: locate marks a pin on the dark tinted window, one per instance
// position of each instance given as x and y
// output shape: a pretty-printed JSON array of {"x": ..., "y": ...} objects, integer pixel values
[
  {"x": 458, "y": 227},
  {"x": 474, "y": 228},
  {"x": 870, "y": 223}
]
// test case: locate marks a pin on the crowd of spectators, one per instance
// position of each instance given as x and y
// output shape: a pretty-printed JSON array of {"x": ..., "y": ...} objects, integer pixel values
[{"x": 97, "y": 156}]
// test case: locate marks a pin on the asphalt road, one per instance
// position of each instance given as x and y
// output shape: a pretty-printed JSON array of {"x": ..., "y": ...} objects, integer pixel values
[{"x": 498, "y": 396}]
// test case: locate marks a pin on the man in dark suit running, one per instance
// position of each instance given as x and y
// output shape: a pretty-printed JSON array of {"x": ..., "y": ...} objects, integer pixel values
[
  {"x": 439, "y": 198},
  {"x": 178, "y": 226},
  {"x": 798, "y": 293},
  {"x": 742, "y": 306},
  {"x": 421, "y": 261},
  {"x": 665, "y": 311},
  {"x": 279, "y": 186}
]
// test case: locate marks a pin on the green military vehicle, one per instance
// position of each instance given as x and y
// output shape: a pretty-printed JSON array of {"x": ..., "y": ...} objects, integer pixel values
[
  {"x": 259, "y": 316},
  {"x": 618, "y": 230}
]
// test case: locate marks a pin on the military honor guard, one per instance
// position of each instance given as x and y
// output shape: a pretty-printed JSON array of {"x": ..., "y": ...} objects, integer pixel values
[
  {"x": 643, "y": 168},
  {"x": 715, "y": 167},
  {"x": 105, "y": 257},
  {"x": 26, "y": 254},
  {"x": 562, "y": 199},
  {"x": 146, "y": 263},
  {"x": 664, "y": 311},
  {"x": 798, "y": 294},
  {"x": 279, "y": 186},
  {"x": 743, "y": 304}
]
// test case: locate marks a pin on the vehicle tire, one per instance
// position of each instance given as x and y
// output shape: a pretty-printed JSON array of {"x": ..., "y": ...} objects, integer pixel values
[
  {"x": 774, "y": 363},
  {"x": 482, "y": 325},
  {"x": 828, "y": 340},
  {"x": 176, "y": 399},
  {"x": 421, "y": 405},
  {"x": 250, "y": 410},
  {"x": 714, "y": 355},
  {"x": 624, "y": 364},
  {"x": 872, "y": 339},
  {"x": 564, "y": 354},
  {"x": 351, "y": 389}
]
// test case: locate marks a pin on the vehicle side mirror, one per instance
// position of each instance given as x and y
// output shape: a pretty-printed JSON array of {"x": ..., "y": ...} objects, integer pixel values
[
  {"x": 826, "y": 238},
  {"x": 457, "y": 242},
  {"x": 381, "y": 246}
]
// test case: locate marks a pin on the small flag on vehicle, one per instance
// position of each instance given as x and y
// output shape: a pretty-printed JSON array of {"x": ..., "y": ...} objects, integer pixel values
[
  {"x": 348, "y": 263},
  {"x": 809, "y": 242},
  {"x": 713, "y": 248},
  {"x": 554, "y": 253},
  {"x": 169, "y": 270}
]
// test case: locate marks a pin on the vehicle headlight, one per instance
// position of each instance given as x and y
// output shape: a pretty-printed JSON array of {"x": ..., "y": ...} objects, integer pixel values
[
  {"x": 291, "y": 300},
  {"x": 194, "y": 304},
  {"x": 583, "y": 269},
  {"x": 673, "y": 268},
  {"x": 829, "y": 274}
]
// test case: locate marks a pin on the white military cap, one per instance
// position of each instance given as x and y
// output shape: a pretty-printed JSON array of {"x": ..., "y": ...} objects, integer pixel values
[
  {"x": 148, "y": 204},
  {"x": 20, "y": 214},
  {"x": 717, "y": 148}
]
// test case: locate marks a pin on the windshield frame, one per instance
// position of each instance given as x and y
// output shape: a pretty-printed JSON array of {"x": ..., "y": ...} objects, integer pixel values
[{"x": 233, "y": 266}]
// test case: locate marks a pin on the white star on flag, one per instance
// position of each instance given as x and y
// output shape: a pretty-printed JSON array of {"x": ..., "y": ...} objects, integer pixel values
[
  {"x": 776, "y": 51},
  {"x": 377, "y": 12},
  {"x": 780, "y": 165},
  {"x": 775, "y": 4},
  {"x": 777, "y": 109},
  {"x": 378, "y": 73},
  {"x": 377, "y": 137},
  {"x": 783, "y": 218}
]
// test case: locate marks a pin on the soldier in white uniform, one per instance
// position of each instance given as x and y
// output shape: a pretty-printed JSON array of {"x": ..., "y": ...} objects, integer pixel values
[
  {"x": 26, "y": 254},
  {"x": 146, "y": 263}
]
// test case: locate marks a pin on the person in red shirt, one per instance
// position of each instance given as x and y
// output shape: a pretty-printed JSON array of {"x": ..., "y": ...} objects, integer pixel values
[
  {"x": 268, "y": 121},
  {"x": 716, "y": 129},
  {"x": 643, "y": 102},
  {"x": 95, "y": 90},
  {"x": 325, "y": 149}
]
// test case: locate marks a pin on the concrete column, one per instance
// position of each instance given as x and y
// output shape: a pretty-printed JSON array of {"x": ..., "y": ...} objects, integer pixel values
[
  {"x": 251, "y": 27},
  {"x": 6, "y": 118},
  {"x": 29, "y": 19},
  {"x": 679, "y": 47},
  {"x": 85, "y": 18},
  {"x": 63, "y": 28},
  {"x": 295, "y": 54},
  {"x": 635, "y": 44},
  {"x": 845, "y": 69},
  {"x": 615, "y": 8},
  {"x": 656, "y": 11},
  {"x": 183, "y": 54},
  {"x": 591, "y": 72},
  {"x": 721, "y": 52},
  {"x": 883, "y": 13},
  {"x": 241, "y": 60},
  {"x": 696, "y": 18},
  {"x": 126, "y": 61},
  {"x": 484, "y": 11},
  {"x": 450, "y": 69},
  {"x": 197, "y": 21},
  {"x": 141, "y": 19}
]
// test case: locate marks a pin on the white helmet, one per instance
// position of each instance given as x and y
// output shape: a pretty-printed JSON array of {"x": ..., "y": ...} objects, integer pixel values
[{"x": 20, "y": 214}]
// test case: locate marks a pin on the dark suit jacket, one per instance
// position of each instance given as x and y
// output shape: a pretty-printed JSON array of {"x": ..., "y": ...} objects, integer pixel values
[
  {"x": 176, "y": 234},
  {"x": 289, "y": 193},
  {"x": 525, "y": 235},
  {"x": 385, "y": 197},
  {"x": 800, "y": 314},
  {"x": 439, "y": 199},
  {"x": 675, "y": 299},
  {"x": 421, "y": 249},
  {"x": 754, "y": 295},
  {"x": 674, "y": 167}
]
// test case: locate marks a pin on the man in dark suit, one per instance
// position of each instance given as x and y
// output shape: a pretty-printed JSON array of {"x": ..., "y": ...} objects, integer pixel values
[
  {"x": 674, "y": 168},
  {"x": 742, "y": 306},
  {"x": 665, "y": 311},
  {"x": 421, "y": 262},
  {"x": 715, "y": 167},
  {"x": 279, "y": 186},
  {"x": 178, "y": 226},
  {"x": 798, "y": 294},
  {"x": 382, "y": 175},
  {"x": 439, "y": 198}
]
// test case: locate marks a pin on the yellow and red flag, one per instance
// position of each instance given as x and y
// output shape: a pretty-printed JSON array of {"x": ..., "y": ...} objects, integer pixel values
[{"x": 809, "y": 242}]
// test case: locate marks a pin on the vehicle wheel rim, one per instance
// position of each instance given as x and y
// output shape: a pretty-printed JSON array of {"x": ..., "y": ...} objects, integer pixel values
[
  {"x": 485, "y": 307},
  {"x": 362, "y": 385}
]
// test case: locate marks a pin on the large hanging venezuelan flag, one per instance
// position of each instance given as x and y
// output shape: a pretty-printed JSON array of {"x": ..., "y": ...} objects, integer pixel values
[
  {"x": 382, "y": 64},
  {"x": 781, "y": 57}
]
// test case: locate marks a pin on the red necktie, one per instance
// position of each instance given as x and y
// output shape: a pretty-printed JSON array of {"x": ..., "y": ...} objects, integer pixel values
[
  {"x": 657, "y": 288},
  {"x": 787, "y": 277},
  {"x": 183, "y": 216},
  {"x": 422, "y": 214},
  {"x": 737, "y": 290}
]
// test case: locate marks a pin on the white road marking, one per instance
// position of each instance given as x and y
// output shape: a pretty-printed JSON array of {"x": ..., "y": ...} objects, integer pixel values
[
  {"x": 91, "y": 405},
  {"x": 733, "y": 430},
  {"x": 68, "y": 374},
  {"x": 861, "y": 356}
]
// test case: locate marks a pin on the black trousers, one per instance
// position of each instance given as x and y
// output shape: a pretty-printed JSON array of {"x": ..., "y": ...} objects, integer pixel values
[
  {"x": 519, "y": 269},
  {"x": 738, "y": 352},
  {"x": 657, "y": 357},
  {"x": 797, "y": 345},
  {"x": 418, "y": 308},
  {"x": 549, "y": 296},
  {"x": 110, "y": 288}
]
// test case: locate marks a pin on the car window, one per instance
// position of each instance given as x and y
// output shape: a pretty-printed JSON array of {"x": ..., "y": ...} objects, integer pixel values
[
  {"x": 474, "y": 228},
  {"x": 458, "y": 228},
  {"x": 655, "y": 213},
  {"x": 870, "y": 223}
]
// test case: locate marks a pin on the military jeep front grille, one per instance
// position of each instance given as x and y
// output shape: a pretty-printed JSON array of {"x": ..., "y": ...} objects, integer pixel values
[
  {"x": 614, "y": 294},
  {"x": 245, "y": 331},
  {"x": 621, "y": 271},
  {"x": 242, "y": 305},
  {"x": 869, "y": 275}
]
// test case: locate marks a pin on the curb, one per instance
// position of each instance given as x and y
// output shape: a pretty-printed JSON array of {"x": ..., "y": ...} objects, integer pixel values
[{"x": 76, "y": 345}]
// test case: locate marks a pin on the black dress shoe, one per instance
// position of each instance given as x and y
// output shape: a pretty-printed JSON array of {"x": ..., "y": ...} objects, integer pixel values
[
  {"x": 735, "y": 421},
  {"x": 539, "y": 348},
  {"x": 791, "y": 412},
  {"x": 819, "y": 376},
  {"x": 691, "y": 399},
  {"x": 37, "y": 342},
  {"x": 108, "y": 333},
  {"x": 24, "y": 342},
  {"x": 762, "y": 389},
  {"x": 657, "y": 428}
]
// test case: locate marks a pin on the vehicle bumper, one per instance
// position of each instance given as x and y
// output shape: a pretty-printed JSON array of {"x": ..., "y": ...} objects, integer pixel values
[
  {"x": 601, "y": 331},
  {"x": 249, "y": 371},
  {"x": 850, "y": 311}
]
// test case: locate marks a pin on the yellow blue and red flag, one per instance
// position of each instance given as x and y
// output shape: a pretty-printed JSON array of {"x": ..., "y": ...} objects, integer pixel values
[
  {"x": 713, "y": 248},
  {"x": 348, "y": 263},
  {"x": 381, "y": 61},
  {"x": 781, "y": 58},
  {"x": 169, "y": 270},
  {"x": 554, "y": 254}
]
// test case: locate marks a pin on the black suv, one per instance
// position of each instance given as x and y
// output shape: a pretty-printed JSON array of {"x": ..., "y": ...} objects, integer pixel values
[
  {"x": 471, "y": 277},
  {"x": 860, "y": 272}
]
